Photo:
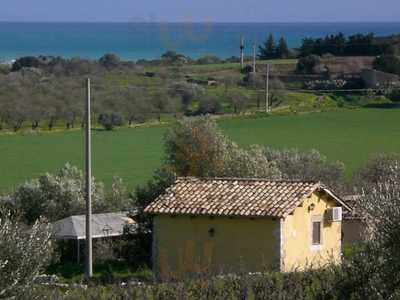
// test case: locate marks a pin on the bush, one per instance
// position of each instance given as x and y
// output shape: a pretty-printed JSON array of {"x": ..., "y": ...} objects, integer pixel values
[
  {"x": 109, "y": 60},
  {"x": 172, "y": 57},
  {"x": 378, "y": 169},
  {"x": 56, "y": 196},
  {"x": 246, "y": 69},
  {"x": 26, "y": 62},
  {"x": 23, "y": 254},
  {"x": 208, "y": 105},
  {"x": 307, "y": 65},
  {"x": 196, "y": 147},
  {"x": 394, "y": 95},
  {"x": 109, "y": 121},
  {"x": 388, "y": 63},
  {"x": 208, "y": 59},
  {"x": 308, "y": 165}
]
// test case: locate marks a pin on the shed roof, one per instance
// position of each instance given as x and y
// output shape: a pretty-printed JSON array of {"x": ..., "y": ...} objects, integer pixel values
[
  {"x": 103, "y": 225},
  {"x": 235, "y": 197},
  {"x": 352, "y": 201}
]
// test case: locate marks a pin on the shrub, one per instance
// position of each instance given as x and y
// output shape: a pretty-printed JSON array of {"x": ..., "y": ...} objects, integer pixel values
[
  {"x": 26, "y": 62},
  {"x": 208, "y": 59},
  {"x": 246, "y": 69},
  {"x": 109, "y": 121},
  {"x": 23, "y": 254},
  {"x": 56, "y": 196},
  {"x": 196, "y": 147},
  {"x": 109, "y": 60},
  {"x": 394, "y": 95},
  {"x": 307, "y": 65},
  {"x": 378, "y": 169},
  {"x": 208, "y": 105},
  {"x": 309, "y": 165},
  {"x": 388, "y": 63}
]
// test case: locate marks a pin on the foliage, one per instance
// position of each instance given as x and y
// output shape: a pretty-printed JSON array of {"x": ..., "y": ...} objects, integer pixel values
[
  {"x": 25, "y": 62},
  {"x": 388, "y": 63},
  {"x": 109, "y": 60},
  {"x": 172, "y": 57},
  {"x": 208, "y": 105},
  {"x": 109, "y": 121},
  {"x": 23, "y": 254},
  {"x": 380, "y": 207},
  {"x": 238, "y": 102},
  {"x": 309, "y": 165},
  {"x": 352, "y": 281},
  {"x": 136, "y": 248},
  {"x": 268, "y": 49},
  {"x": 196, "y": 147},
  {"x": 339, "y": 44},
  {"x": 282, "y": 49},
  {"x": 393, "y": 95},
  {"x": 56, "y": 196},
  {"x": 247, "y": 69},
  {"x": 188, "y": 92},
  {"x": 105, "y": 273},
  {"x": 208, "y": 59},
  {"x": 380, "y": 168},
  {"x": 308, "y": 64}
]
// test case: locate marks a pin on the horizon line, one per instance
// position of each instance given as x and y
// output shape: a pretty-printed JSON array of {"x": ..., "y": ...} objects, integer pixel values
[{"x": 200, "y": 22}]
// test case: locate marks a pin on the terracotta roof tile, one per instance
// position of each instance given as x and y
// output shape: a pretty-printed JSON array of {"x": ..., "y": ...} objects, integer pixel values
[{"x": 232, "y": 197}]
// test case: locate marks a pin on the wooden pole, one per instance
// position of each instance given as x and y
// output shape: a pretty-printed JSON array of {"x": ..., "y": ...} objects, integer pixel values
[{"x": 89, "y": 260}]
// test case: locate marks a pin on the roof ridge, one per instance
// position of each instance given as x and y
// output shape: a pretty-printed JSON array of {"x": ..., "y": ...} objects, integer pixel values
[{"x": 192, "y": 178}]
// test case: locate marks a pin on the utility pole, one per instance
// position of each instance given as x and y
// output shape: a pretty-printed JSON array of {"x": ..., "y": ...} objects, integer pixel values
[
  {"x": 88, "y": 163},
  {"x": 267, "y": 108},
  {"x": 254, "y": 58},
  {"x": 241, "y": 52}
]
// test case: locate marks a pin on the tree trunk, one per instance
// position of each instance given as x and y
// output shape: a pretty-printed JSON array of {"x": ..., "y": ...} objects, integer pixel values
[
  {"x": 51, "y": 124},
  {"x": 35, "y": 125}
]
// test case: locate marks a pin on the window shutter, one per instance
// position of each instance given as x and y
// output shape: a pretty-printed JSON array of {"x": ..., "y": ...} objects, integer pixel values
[{"x": 316, "y": 233}]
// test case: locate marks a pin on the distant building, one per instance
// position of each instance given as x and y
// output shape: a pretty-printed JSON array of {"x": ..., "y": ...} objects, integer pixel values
[
  {"x": 232, "y": 225},
  {"x": 378, "y": 79}
]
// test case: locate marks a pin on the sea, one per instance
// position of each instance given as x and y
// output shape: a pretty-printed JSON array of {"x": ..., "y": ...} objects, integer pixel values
[{"x": 133, "y": 41}]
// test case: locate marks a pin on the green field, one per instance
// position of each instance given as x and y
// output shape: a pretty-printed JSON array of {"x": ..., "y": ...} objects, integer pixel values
[{"x": 133, "y": 153}]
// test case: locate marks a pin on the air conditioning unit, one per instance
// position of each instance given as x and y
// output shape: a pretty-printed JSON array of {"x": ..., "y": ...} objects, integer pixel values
[{"x": 334, "y": 214}]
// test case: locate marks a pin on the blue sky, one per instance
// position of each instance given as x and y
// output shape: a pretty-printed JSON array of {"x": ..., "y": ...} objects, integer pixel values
[{"x": 201, "y": 10}]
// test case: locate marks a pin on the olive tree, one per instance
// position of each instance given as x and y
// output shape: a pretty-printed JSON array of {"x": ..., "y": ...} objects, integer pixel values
[
  {"x": 23, "y": 254},
  {"x": 308, "y": 165},
  {"x": 379, "y": 168},
  {"x": 380, "y": 208},
  {"x": 56, "y": 196},
  {"x": 196, "y": 147}
]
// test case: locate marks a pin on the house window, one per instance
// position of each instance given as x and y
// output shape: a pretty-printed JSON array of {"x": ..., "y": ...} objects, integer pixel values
[{"x": 316, "y": 232}]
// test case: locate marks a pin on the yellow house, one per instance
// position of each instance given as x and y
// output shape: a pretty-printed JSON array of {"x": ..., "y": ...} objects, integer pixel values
[{"x": 231, "y": 225}]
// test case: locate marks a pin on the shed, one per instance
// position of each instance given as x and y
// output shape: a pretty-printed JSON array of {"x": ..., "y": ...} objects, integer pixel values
[
  {"x": 354, "y": 227},
  {"x": 232, "y": 225},
  {"x": 103, "y": 226}
]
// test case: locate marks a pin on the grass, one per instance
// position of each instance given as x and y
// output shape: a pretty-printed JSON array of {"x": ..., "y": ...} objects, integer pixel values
[{"x": 133, "y": 153}]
